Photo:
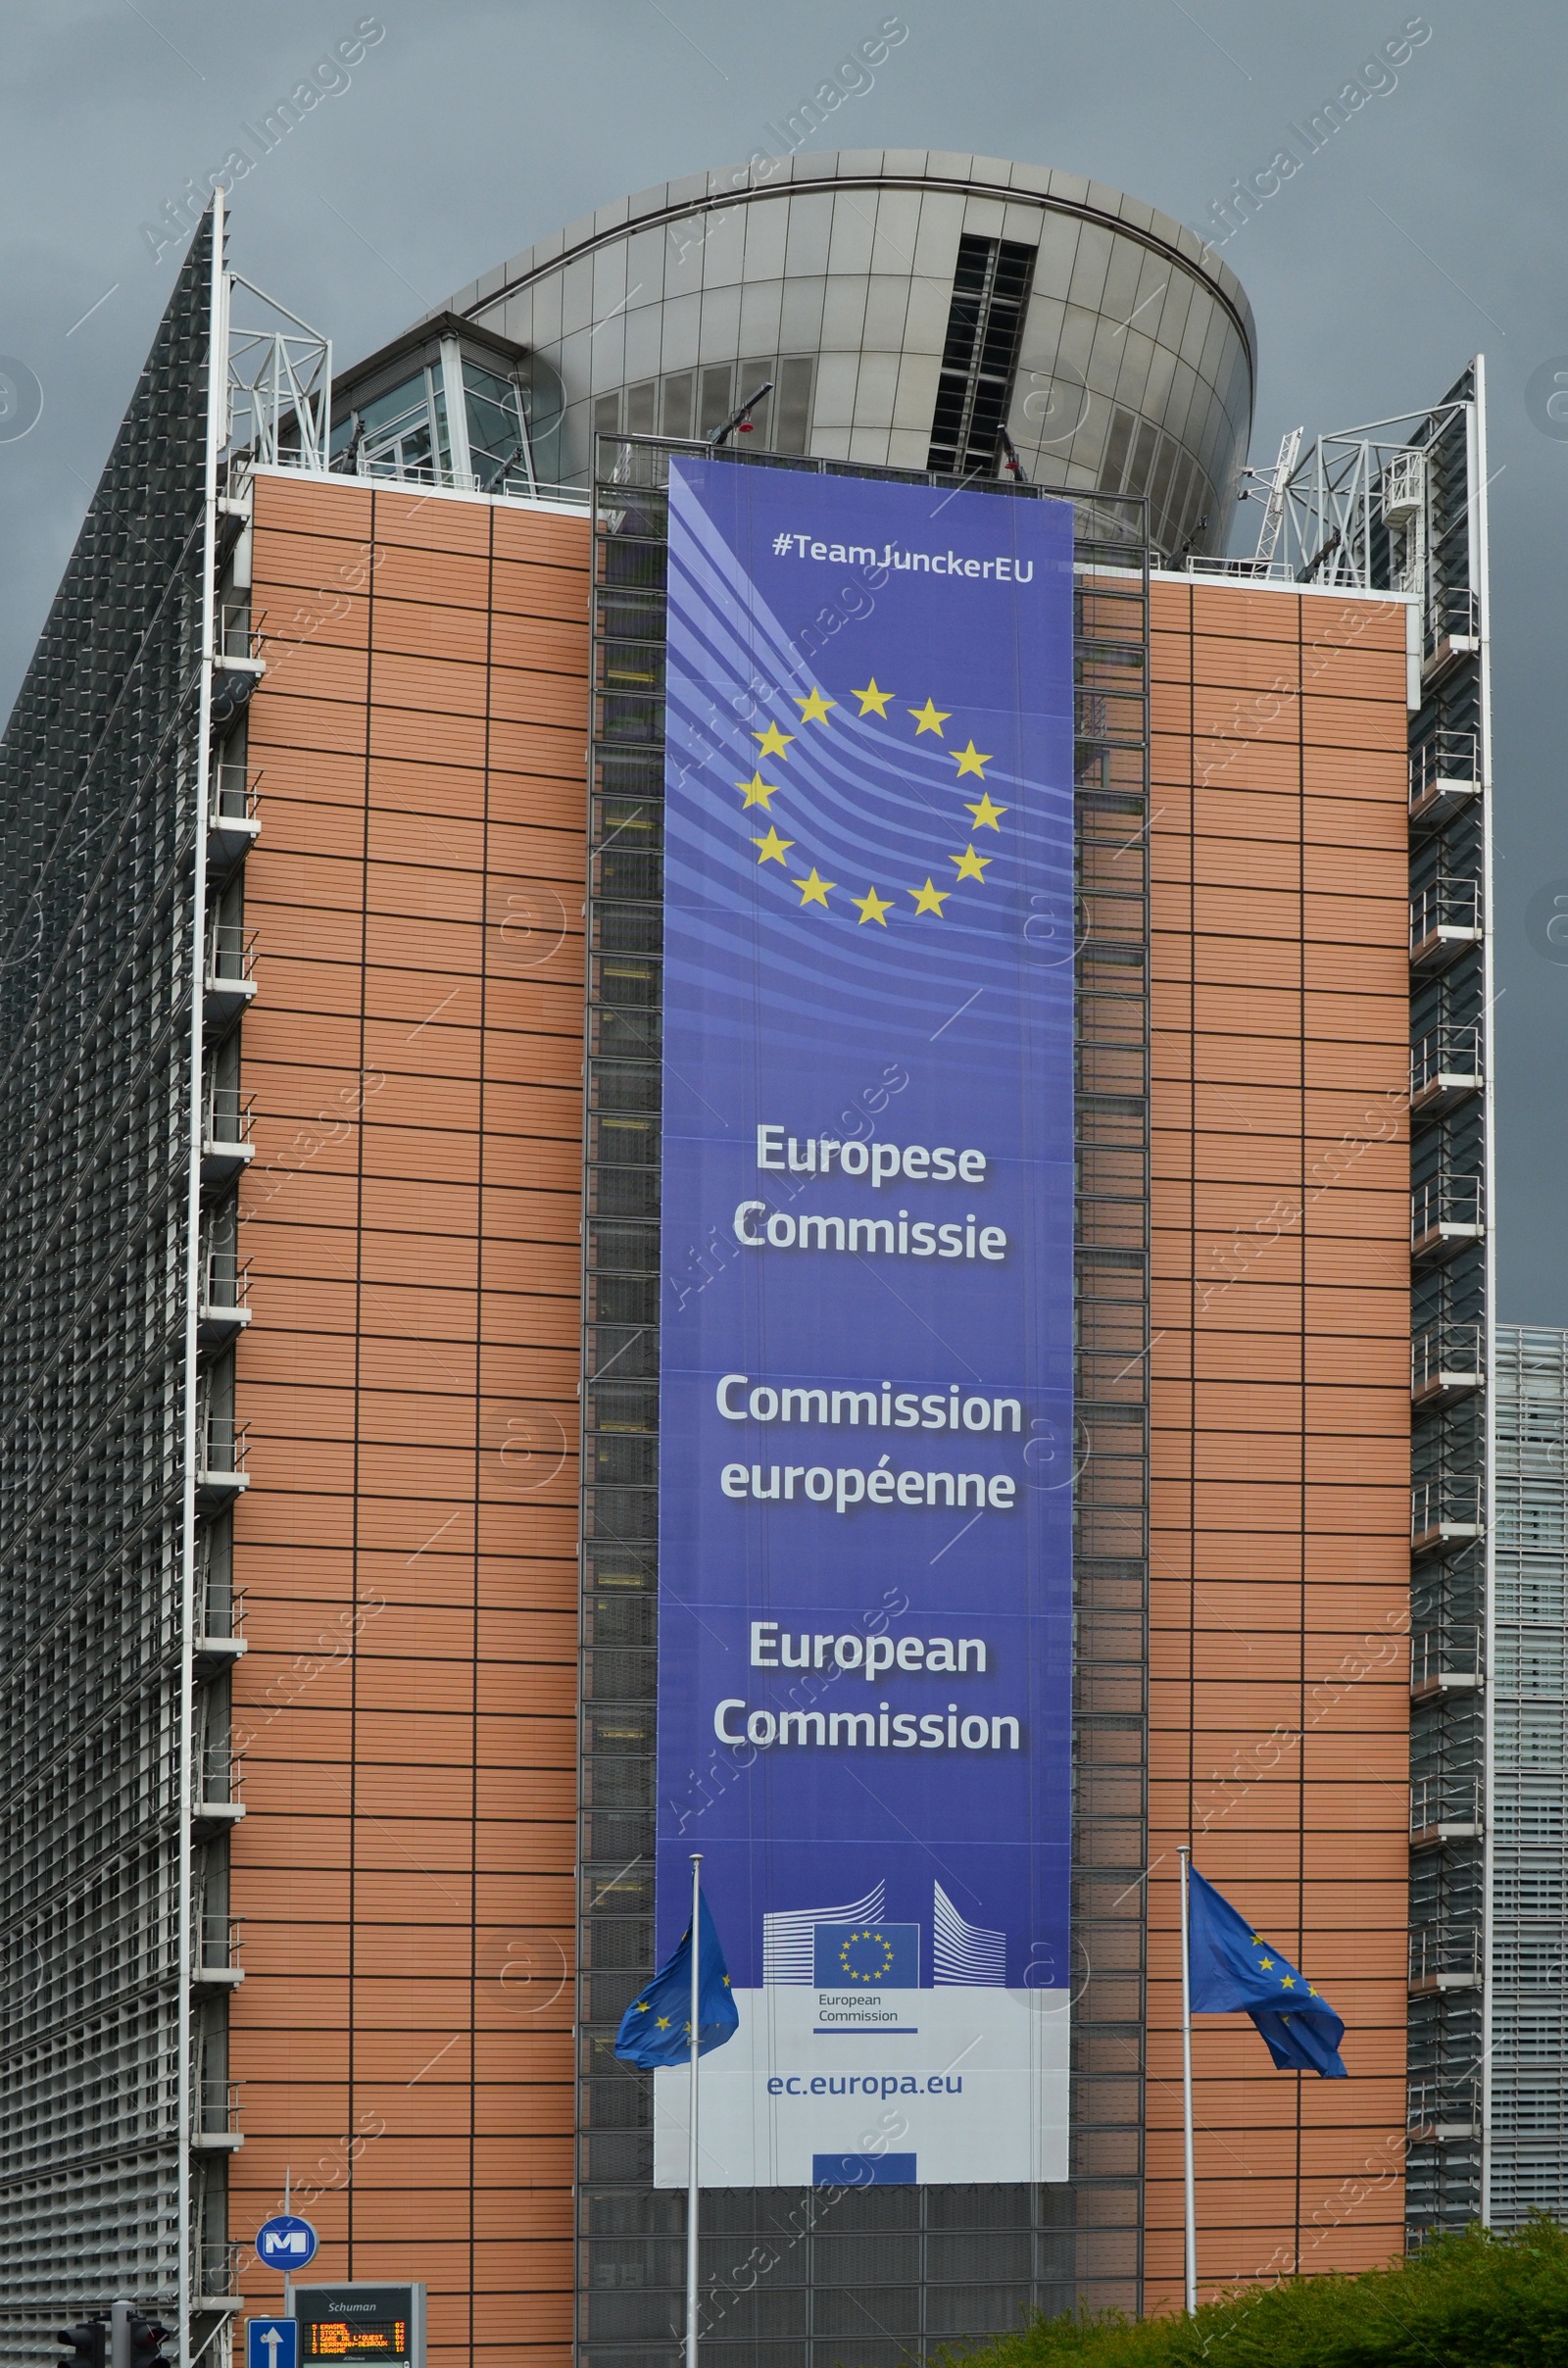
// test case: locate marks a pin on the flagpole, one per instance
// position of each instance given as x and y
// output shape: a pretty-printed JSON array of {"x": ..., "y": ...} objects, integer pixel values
[
  {"x": 692, "y": 2187},
  {"x": 1185, "y": 1855}
]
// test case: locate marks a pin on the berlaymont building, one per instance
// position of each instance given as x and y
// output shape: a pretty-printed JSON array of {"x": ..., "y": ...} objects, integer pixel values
[{"x": 331, "y": 1285}]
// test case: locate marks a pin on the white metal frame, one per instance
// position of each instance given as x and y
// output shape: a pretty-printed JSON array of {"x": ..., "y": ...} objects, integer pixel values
[
  {"x": 1332, "y": 499},
  {"x": 268, "y": 376},
  {"x": 450, "y": 371},
  {"x": 1479, "y": 562},
  {"x": 217, "y": 435}
]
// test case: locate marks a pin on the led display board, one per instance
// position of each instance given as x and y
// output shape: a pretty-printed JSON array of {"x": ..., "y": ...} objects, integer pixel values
[
  {"x": 866, "y": 1329},
  {"x": 353, "y": 2321}
]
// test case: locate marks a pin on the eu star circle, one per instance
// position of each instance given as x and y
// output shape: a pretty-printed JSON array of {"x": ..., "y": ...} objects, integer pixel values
[{"x": 866, "y": 1956}]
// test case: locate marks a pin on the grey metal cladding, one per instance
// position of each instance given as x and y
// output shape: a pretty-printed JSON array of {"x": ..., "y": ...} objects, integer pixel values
[
  {"x": 846, "y": 261},
  {"x": 97, "y": 814}
]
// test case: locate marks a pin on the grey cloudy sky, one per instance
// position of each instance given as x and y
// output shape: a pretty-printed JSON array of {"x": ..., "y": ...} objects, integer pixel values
[{"x": 1427, "y": 229}]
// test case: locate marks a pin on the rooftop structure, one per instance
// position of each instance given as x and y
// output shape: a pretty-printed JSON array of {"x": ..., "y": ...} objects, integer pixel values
[{"x": 909, "y": 309}]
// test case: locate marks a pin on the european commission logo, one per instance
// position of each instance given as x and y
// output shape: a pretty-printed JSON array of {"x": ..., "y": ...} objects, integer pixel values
[{"x": 866, "y": 1956}]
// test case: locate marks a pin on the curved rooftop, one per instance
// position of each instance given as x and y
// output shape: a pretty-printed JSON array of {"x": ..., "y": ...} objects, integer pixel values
[{"x": 913, "y": 309}]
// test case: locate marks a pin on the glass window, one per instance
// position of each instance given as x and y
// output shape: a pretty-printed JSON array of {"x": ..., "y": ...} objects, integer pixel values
[
  {"x": 678, "y": 403},
  {"x": 404, "y": 430},
  {"x": 717, "y": 402},
  {"x": 792, "y": 405},
  {"x": 498, "y": 443},
  {"x": 397, "y": 404},
  {"x": 749, "y": 377},
  {"x": 398, "y": 433},
  {"x": 543, "y": 403}
]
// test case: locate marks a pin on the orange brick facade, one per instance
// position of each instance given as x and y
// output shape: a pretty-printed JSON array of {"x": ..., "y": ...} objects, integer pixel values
[
  {"x": 406, "y": 1547},
  {"x": 1281, "y": 1411},
  {"x": 407, "y": 1710}
]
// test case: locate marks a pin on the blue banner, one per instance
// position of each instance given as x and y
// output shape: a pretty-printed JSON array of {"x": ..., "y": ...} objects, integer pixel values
[{"x": 866, "y": 1346}]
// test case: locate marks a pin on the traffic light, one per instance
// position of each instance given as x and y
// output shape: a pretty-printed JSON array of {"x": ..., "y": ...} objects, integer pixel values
[
  {"x": 133, "y": 2342},
  {"x": 147, "y": 2341},
  {"x": 86, "y": 2346}
]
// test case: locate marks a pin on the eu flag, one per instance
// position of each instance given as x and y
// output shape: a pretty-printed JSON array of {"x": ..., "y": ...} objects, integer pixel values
[
  {"x": 1235, "y": 1970},
  {"x": 854, "y": 1956},
  {"x": 656, "y": 2027}
]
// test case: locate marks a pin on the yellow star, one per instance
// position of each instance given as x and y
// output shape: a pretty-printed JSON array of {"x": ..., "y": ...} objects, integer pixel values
[
  {"x": 1258, "y": 1941},
  {"x": 815, "y": 891},
  {"x": 872, "y": 908},
  {"x": 773, "y": 742},
  {"x": 873, "y": 701},
  {"x": 971, "y": 867},
  {"x": 1310, "y": 1991},
  {"x": 986, "y": 816},
  {"x": 970, "y": 761},
  {"x": 1286, "y": 1981},
  {"x": 773, "y": 847},
  {"x": 930, "y": 717},
  {"x": 1267, "y": 1964},
  {"x": 814, "y": 708},
  {"x": 726, "y": 1980},
  {"x": 645, "y": 2006},
  {"x": 662, "y": 2023},
  {"x": 929, "y": 899},
  {"x": 757, "y": 791}
]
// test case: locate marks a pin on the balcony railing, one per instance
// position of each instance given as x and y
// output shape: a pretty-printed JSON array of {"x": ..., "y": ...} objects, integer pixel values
[
  {"x": 219, "y": 1617},
  {"x": 216, "y": 1803},
  {"x": 234, "y": 823},
  {"x": 215, "y": 2121},
  {"x": 235, "y": 633},
  {"x": 1445, "y": 1809},
  {"x": 1443, "y": 1959},
  {"x": 220, "y": 1447},
  {"x": 1445, "y": 1659},
  {"x": 231, "y": 970},
  {"x": 216, "y": 2266},
  {"x": 219, "y": 1771},
  {"x": 1247, "y": 570},
  {"x": 512, "y": 482},
  {"x": 1444, "y": 2112},
  {"x": 1447, "y": 1362},
  {"x": 226, "y": 1144},
  {"x": 217, "y": 1951},
  {"x": 231, "y": 951},
  {"x": 1402, "y": 487},
  {"x": 1445, "y": 1512},
  {"x": 226, "y": 1117},
  {"x": 233, "y": 792},
  {"x": 1454, "y": 627},
  {"x": 1445, "y": 771},
  {"x": 1444, "y": 1211},
  {"x": 224, "y": 1309},
  {"x": 1445, "y": 1068},
  {"x": 1445, "y": 917}
]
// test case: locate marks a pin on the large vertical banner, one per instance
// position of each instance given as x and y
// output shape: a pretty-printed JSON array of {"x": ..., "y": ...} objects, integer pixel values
[{"x": 866, "y": 1404}]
